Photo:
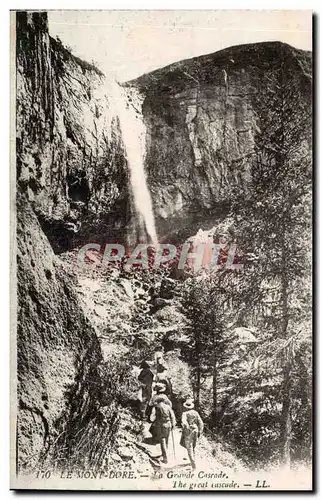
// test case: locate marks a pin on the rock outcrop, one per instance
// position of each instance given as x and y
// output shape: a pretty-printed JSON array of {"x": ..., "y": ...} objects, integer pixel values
[
  {"x": 202, "y": 121},
  {"x": 70, "y": 158},
  {"x": 57, "y": 349}
]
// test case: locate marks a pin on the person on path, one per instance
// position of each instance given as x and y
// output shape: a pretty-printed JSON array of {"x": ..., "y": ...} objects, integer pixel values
[
  {"x": 162, "y": 377},
  {"x": 159, "y": 359},
  {"x": 161, "y": 398},
  {"x": 164, "y": 422},
  {"x": 146, "y": 379},
  {"x": 192, "y": 428},
  {"x": 160, "y": 389}
]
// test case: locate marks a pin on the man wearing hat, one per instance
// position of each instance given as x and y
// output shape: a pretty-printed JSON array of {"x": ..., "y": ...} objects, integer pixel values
[
  {"x": 146, "y": 379},
  {"x": 163, "y": 377},
  {"x": 159, "y": 396},
  {"x": 164, "y": 422},
  {"x": 160, "y": 390},
  {"x": 192, "y": 428}
]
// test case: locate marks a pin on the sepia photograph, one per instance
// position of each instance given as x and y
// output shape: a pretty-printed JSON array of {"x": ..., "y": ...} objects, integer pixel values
[{"x": 161, "y": 233}]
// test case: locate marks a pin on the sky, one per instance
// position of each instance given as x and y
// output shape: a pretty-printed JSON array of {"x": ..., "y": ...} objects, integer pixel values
[{"x": 125, "y": 44}]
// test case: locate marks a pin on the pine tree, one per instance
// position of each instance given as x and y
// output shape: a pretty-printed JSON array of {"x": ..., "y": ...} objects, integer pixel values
[{"x": 275, "y": 222}]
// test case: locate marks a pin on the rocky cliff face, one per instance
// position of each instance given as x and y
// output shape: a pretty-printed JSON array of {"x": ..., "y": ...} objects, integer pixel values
[
  {"x": 58, "y": 351},
  {"x": 68, "y": 172},
  {"x": 202, "y": 125},
  {"x": 70, "y": 158}
]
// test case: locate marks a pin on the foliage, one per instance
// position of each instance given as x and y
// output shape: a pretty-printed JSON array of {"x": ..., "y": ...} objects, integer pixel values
[{"x": 263, "y": 399}]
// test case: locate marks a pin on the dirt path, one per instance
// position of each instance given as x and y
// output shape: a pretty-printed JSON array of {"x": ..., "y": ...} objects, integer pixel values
[{"x": 178, "y": 456}]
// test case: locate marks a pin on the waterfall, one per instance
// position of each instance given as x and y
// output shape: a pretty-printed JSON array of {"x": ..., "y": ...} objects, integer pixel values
[{"x": 133, "y": 135}]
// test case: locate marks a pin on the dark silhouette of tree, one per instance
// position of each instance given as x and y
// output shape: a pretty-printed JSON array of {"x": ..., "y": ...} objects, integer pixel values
[{"x": 274, "y": 224}]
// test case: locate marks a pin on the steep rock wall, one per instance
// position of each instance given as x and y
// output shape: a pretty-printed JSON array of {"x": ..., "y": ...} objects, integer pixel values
[
  {"x": 70, "y": 158},
  {"x": 58, "y": 351},
  {"x": 202, "y": 127}
]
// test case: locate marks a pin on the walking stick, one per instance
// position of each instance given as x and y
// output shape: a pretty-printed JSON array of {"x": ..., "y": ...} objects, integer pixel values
[{"x": 174, "y": 450}]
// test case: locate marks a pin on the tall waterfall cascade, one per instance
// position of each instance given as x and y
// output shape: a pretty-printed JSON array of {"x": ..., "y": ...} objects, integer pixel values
[{"x": 133, "y": 134}]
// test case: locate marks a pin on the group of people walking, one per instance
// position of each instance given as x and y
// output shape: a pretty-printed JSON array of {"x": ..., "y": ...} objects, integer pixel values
[{"x": 156, "y": 406}]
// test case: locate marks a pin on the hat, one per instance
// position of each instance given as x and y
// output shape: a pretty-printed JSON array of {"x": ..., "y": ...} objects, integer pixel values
[
  {"x": 161, "y": 398},
  {"x": 160, "y": 388},
  {"x": 144, "y": 364},
  {"x": 188, "y": 404}
]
